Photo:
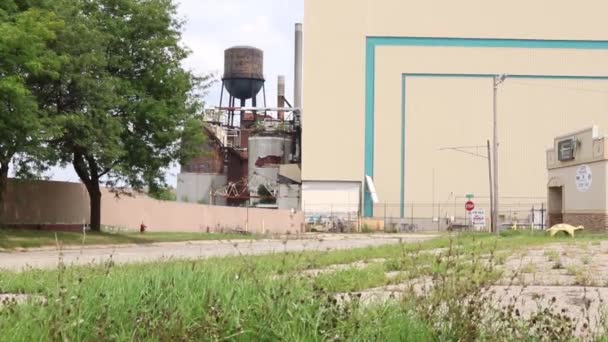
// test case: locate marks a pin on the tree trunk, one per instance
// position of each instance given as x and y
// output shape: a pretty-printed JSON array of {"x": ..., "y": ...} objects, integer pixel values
[
  {"x": 88, "y": 172},
  {"x": 3, "y": 183},
  {"x": 95, "y": 204}
]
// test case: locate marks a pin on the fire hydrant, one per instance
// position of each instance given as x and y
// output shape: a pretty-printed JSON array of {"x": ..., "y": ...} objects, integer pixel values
[{"x": 142, "y": 228}]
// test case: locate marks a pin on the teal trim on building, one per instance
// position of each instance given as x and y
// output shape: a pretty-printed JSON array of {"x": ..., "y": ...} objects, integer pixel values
[
  {"x": 490, "y": 43},
  {"x": 544, "y": 77},
  {"x": 402, "y": 189},
  {"x": 370, "y": 69},
  {"x": 370, "y": 74}
]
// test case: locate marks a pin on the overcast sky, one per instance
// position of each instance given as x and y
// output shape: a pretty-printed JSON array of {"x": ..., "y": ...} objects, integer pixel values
[{"x": 214, "y": 25}]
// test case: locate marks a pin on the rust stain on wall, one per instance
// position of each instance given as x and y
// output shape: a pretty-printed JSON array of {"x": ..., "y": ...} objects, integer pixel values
[{"x": 268, "y": 161}]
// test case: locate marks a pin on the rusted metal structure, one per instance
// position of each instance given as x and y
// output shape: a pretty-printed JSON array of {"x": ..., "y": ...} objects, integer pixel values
[
  {"x": 204, "y": 173},
  {"x": 267, "y": 152},
  {"x": 211, "y": 158}
]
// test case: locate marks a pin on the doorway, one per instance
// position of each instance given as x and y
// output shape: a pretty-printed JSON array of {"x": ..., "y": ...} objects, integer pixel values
[{"x": 556, "y": 205}]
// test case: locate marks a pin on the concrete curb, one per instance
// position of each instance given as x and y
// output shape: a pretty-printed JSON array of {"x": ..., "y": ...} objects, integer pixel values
[
  {"x": 322, "y": 236},
  {"x": 126, "y": 245},
  {"x": 151, "y": 244}
]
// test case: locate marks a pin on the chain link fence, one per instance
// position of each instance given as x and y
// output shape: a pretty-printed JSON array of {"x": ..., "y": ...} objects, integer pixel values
[
  {"x": 426, "y": 217},
  {"x": 338, "y": 218}
]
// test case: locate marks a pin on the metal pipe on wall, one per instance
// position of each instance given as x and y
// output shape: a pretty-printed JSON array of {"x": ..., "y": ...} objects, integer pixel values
[
  {"x": 297, "y": 87},
  {"x": 281, "y": 97}
]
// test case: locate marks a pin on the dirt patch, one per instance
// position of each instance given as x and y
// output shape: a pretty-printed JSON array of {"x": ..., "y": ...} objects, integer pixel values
[
  {"x": 385, "y": 293},
  {"x": 7, "y": 299},
  {"x": 341, "y": 267}
]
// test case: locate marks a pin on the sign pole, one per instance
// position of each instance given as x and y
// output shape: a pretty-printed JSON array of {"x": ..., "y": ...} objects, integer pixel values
[
  {"x": 468, "y": 207},
  {"x": 495, "y": 159}
]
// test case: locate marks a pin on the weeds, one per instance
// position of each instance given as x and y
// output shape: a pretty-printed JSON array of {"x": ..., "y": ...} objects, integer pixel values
[
  {"x": 529, "y": 268},
  {"x": 557, "y": 265},
  {"x": 586, "y": 259},
  {"x": 581, "y": 276},
  {"x": 552, "y": 255},
  {"x": 574, "y": 270},
  {"x": 448, "y": 294},
  {"x": 501, "y": 258},
  {"x": 583, "y": 279}
]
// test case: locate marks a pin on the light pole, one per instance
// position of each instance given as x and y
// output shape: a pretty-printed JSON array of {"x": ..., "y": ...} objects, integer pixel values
[{"x": 497, "y": 81}]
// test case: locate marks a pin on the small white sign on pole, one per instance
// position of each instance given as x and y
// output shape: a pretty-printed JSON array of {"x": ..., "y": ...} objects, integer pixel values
[{"x": 478, "y": 218}]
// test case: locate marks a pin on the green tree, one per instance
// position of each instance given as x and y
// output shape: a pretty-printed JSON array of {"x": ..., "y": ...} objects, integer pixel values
[
  {"x": 125, "y": 104},
  {"x": 24, "y": 35},
  {"x": 162, "y": 193}
]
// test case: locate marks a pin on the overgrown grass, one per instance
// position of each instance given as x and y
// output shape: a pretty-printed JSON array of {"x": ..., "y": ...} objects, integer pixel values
[
  {"x": 12, "y": 239},
  {"x": 352, "y": 280},
  {"x": 552, "y": 255},
  {"x": 265, "y": 298}
]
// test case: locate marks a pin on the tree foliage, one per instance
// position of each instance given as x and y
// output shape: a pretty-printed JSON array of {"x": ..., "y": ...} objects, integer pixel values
[
  {"x": 163, "y": 193},
  {"x": 25, "y": 33},
  {"x": 119, "y": 105}
]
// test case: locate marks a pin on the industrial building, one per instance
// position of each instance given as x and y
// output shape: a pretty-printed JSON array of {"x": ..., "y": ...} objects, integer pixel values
[
  {"x": 397, "y": 90},
  {"x": 577, "y": 191},
  {"x": 251, "y": 156}
]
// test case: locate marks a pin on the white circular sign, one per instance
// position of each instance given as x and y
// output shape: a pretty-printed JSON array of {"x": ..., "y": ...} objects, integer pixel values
[{"x": 584, "y": 178}]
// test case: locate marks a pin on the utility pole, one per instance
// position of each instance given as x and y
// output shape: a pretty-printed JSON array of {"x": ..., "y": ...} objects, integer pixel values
[
  {"x": 433, "y": 195},
  {"x": 497, "y": 81},
  {"x": 493, "y": 226}
]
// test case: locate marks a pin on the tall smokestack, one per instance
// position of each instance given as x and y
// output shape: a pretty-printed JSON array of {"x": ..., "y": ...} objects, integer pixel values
[
  {"x": 297, "y": 88},
  {"x": 281, "y": 97}
]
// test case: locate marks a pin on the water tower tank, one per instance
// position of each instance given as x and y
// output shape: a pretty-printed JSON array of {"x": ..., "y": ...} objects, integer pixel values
[{"x": 243, "y": 71}]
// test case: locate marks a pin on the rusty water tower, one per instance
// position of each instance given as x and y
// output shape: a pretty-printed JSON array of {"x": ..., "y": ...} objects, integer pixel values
[{"x": 243, "y": 76}]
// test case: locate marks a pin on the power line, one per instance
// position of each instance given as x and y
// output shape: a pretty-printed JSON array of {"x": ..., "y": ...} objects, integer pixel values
[
  {"x": 463, "y": 149},
  {"x": 561, "y": 87}
]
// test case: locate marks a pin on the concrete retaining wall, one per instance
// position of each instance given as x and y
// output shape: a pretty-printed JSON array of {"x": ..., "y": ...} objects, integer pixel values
[{"x": 40, "y": 204}]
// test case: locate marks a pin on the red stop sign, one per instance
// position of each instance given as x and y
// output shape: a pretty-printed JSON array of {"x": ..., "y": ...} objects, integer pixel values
[{"x": 469, "y": 206}]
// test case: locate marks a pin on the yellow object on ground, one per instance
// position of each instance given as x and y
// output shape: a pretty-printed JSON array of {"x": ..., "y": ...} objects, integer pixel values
[{"x": 562, "y": 227}]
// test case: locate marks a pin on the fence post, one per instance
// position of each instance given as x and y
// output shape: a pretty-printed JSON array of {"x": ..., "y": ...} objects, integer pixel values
[
  {"x": 412, "y": 215},
  {"x": 542, "y": 216},
  {"x": 439, "y": 217},
  {"x": 533, "y": 217},
  {"x": 384, "y": 216}
]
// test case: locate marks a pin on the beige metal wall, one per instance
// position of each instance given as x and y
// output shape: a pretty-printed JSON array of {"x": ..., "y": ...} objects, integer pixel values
[
  {"x": 443, "y": 112},
  {"x": 60, "y": 205}
]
